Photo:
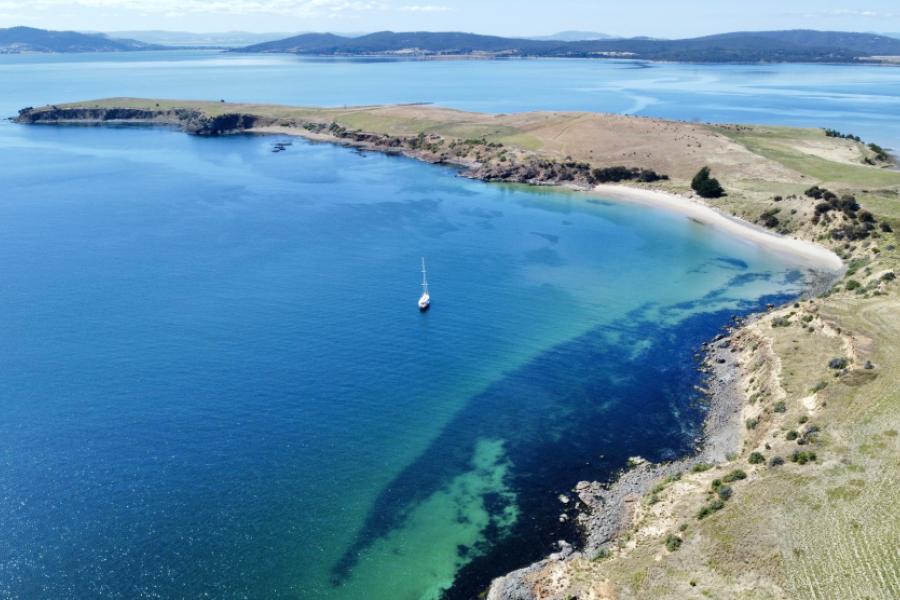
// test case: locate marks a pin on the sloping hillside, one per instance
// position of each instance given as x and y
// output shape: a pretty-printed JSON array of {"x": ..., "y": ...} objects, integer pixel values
[{"x": 15, "y": 40}]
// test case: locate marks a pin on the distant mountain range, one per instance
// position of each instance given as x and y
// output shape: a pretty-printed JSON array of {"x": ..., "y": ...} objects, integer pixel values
[
  {"x": 751, "y": 46},
  {"x": 573, "y": 36},
  {"x": 187, "y": 38},
  {"x": 15, "y": 40}
]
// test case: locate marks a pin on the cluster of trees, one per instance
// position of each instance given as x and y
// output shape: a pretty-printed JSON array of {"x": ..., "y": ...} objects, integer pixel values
[
  {"x": 880, "y": 153},
  {"x": 616, "y": 174},
  {"x": 769, "y": 219},
  {"x": 859, "y": 223},
  {"x": 846, "y": 136},
  {"x": 706, "y": 186}
]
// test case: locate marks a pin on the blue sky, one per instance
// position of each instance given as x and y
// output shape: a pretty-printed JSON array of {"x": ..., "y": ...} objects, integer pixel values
[{"x": 663, "y": 18}]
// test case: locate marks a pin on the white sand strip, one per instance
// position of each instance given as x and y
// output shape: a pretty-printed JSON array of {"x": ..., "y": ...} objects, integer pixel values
[{"x": 821, "y": 257}]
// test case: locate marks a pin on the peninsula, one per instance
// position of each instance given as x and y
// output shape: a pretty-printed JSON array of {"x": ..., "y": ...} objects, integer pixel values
[{"x": 799, "y": 497}]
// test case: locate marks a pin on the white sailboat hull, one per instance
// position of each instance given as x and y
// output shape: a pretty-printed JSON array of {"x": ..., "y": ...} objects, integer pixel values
[{"x": 425, "y": 299}]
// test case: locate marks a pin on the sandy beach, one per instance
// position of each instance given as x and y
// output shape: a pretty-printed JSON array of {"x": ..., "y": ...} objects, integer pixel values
[{"x": 696, "y": 209}]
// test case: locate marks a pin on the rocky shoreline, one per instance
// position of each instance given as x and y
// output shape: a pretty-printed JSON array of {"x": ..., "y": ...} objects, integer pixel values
[
  {"x": 605, "y": 511},
  {"x": 476, "y": 157}
]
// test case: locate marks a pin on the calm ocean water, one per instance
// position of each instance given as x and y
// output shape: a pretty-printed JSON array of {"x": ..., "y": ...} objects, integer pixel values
[{"x": 214, "y": 380}]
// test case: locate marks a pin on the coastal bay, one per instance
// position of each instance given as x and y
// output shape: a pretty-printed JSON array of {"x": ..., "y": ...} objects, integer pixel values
[{"x": 505, "y": 470}]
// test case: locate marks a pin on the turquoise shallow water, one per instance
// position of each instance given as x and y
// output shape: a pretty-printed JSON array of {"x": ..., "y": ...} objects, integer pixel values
[{"x": 214, "y": 379}]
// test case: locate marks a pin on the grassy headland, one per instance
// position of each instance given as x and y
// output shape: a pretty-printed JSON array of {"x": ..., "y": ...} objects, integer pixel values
[{"x": 807, "y": 505}]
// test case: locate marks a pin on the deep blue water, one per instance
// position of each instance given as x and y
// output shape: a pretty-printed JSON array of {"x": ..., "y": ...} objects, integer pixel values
[{"x": 213, "y": 377}]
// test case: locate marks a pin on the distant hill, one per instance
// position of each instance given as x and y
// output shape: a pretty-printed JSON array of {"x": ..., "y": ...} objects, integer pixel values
[
  {"x": 414, "y": 42},
  {"x": 187, "y": 38},
  {"x": 573, "y": 36},
  {"x": 15, "y": 40},
  {"x": 756, "y": 46}
]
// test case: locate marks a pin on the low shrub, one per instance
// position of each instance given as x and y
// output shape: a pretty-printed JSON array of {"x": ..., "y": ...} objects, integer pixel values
[
  {"x": 852, "y": 285},
  {"x": 701, "y": 467},
  {"x": 714, "y": 506},
  {"x": 602, "y": 554},
  {"x": 838, "y": 363},
  {"x": 791, "y": 436},
  {"x": 801, "y": 457},
  {"x": 756, "y": 458},
  {"x": 735, "y": 475},
  {"x": 751, "y": 423},
  {"x": 725, "y": 492},
  {"x": 776, "y": 461},
  {"x": 880, "y": 153},
  {"x": 673, "y": 542}
]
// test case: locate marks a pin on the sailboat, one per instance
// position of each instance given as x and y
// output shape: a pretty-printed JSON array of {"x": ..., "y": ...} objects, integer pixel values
[{"x": 425, "y": 300}]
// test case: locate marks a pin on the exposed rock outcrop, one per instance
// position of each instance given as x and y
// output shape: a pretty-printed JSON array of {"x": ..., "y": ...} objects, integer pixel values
[{"x": 191, "y": 121}]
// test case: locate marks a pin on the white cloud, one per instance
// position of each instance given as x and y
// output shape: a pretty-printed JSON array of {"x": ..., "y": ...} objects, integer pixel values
[
  {"x": 425, "y": 8},
  {"x": 293, "y": 8},
  {"x": 848, "y": 12}
]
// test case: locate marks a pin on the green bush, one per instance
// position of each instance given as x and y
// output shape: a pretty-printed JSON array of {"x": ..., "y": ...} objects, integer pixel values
[
  {"x": 673, "y": 542},
  {"x": 725, "y": 492},
  {"x": 791, "y": 436},
  {"x": 701, "y": 467},
  {"x": 853, "y": 285},
  {"x": 880, "y": 153},
  {"x": 706, "y": 186},
  {"x": 715, "y": 505},
  {"x": 803, "y": 457},
  {"x": 602, "y": 554},
  {"x": 780, "y": 407},
  {"x": 776, "y": 461},
  {"x": 751, "y": 423},
  {"x": 756, "y": 458},
  {"x": 838, "y": 363},
  {"x": 735, "y": 475}
]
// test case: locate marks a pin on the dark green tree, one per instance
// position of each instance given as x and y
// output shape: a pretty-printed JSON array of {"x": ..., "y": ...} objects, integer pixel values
[{"x": 706, "y": 186}]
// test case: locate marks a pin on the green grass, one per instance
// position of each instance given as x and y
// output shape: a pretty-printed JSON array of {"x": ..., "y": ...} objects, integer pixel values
[{"x": 772, "y": 143}]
